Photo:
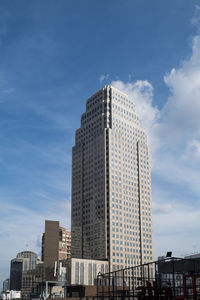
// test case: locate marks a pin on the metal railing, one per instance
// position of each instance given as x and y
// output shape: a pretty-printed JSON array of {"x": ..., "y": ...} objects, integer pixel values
[{"x": 172, "y": 278}]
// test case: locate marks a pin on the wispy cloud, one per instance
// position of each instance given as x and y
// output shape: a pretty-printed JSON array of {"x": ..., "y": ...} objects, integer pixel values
[
  {"x": 162, "y": 208},
  {"x": 104, "y": 77},
  {"x": 5, "y": 89},
  {"x": 195, "y": 20}
]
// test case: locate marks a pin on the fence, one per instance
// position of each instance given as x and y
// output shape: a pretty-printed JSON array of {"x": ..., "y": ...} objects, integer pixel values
[{"x": 168, "y": 279}]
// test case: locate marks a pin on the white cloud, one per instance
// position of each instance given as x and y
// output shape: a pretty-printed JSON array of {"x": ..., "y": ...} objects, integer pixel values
[
  {"x": 180, "y": 114},
  {"x": 141, "y": 91},
  {"x": 174, "y": 138},
  {"x": 193, "y": 150}
]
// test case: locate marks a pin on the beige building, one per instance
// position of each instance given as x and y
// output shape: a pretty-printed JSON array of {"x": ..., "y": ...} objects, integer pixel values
[
  {"x": 111, "y": 183},
  {"x": 85, "y": 271}
]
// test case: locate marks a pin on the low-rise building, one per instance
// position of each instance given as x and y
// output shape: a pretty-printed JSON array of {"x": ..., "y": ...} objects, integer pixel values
[
  {"x": 85, "y": 271},
  {"x": 193, "y": 256},
  {"x": 10, "y": 295},
  {"x": 6, "y": 285}
]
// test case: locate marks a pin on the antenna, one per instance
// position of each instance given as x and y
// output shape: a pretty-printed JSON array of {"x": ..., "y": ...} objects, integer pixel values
[{"x": 27, "y": 247}]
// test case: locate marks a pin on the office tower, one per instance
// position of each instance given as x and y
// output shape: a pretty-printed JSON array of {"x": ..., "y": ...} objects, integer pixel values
[{"x": 111, "y": 183}]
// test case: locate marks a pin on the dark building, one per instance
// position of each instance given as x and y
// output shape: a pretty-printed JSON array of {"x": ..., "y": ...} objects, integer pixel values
[
  {"x": 56, "y": 246},
  {"x": 16, "y": 274},
  {"x": 50, "y": 248}
]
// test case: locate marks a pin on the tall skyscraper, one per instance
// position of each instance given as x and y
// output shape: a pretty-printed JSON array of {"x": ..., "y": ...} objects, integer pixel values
[{"x": 111, "y": 183}]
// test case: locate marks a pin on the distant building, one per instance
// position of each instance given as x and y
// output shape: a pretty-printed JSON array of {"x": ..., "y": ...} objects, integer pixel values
[
  {"x": 56, "y": 246},
  {"x": 50, "y": 248},
  {"x": 20, "y": 280},
  {"x": 37, "y": 287},
  {"x": 16, "y": 274},
  {"x": 161, "y": 257},
  {"x": 30, "y": 278},
  {"x": 29, "y": 260},
  {"x": 10, "y": 295},
  {"x": 6, "y": 285},
  {"x": 193, "y": 256}
]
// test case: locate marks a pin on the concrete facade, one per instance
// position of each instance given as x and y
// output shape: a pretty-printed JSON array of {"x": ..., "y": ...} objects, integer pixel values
[
  {"x": 84, "y": 271},
  {"x": 111, "y": 183}
]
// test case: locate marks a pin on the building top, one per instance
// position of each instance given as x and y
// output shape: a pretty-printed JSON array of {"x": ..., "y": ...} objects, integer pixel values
[
  {"x": 16, "y": 260},
  {"x": 106, "y": 87},
  {"x": 26, "y": 254}
]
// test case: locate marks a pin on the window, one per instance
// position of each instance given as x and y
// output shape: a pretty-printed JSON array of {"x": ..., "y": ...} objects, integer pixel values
[
  {"x": 90, "y": 274},
  {"x": 82, "y": 273},
  {"x": 77, "y": 273},
  {"x": 94, "y": 271},
  {"x": 102, "y": 268}
]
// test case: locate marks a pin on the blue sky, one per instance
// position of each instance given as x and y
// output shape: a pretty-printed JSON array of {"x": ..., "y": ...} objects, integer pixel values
[{"x": 53, "y": 56}]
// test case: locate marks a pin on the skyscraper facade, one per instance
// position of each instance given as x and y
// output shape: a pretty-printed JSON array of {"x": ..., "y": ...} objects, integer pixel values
[{"x": 111, "y": 183}]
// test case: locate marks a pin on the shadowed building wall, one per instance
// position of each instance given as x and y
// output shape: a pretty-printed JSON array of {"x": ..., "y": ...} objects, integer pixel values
[{"x": 50, "y": 248}]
